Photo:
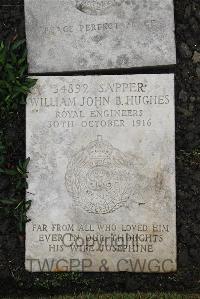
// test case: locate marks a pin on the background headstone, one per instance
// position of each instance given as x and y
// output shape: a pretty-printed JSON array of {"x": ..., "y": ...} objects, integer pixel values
[
  {"x": 102, "y": 174},
  {"x": 99, "y": 34}
]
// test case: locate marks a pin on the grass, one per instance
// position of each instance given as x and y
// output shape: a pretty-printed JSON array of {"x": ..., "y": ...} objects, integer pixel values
[
  {"x": 14, "y": 88},
  {"x": 119, "y": 296}
]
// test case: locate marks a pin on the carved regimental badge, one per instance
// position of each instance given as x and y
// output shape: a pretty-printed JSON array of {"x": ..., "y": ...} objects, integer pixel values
[
  {"x": 100, "y": 178},
  {"x": 97, "y": 7}
]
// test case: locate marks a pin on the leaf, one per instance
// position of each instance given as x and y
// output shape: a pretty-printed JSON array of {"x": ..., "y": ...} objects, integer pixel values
[
  {"x": 14, "y": 58},
  {"x": 10, "y": 172},
  {"x": 2, "y": 83},
  {"x": 19, "y": 205},
  {"x": 26, "y": 162},
  {"x": 22, "y": 70},
  {"x": 7, "y": 201},
  {"x": 17, "y": 44},
  {"x": 10, "y": 72},
  {"x": 31, "y": 82},
  {"x": 28, "y": 204},
  {"x": 2, "y": 57},
  {"x": 20, "y": 170},
  {"x": 21, "y": 60}
]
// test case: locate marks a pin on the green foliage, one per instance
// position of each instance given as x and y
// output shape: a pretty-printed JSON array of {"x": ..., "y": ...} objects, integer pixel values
[
  {"x": 14, "y": 83},
  {"x": 14, "y": 88},
  {"x": 2, "y": 149},
  {"x": 15, "y": 207},
  {"x": 137, "y": 295}
]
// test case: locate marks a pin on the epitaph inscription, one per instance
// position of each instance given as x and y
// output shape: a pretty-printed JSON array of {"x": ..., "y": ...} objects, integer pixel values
[
  {"x": 90, "y": 35},
  {"x": 102, "y": 174}
]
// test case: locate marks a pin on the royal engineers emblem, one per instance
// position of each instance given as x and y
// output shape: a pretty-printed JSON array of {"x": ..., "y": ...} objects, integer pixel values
[
  {"x": 97, "y": 7},
  {"x": 100, "y": 178}
]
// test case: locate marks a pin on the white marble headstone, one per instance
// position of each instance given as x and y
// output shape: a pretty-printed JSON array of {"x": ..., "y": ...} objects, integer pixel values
[
  {"x": 72, "y": 35},
  {"x": 101, "y": 174}
]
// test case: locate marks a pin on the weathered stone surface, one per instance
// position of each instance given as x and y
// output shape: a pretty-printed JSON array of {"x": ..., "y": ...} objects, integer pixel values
[
  {"x": 99, "y": 34},
  {"x": 102, "y": 174}
]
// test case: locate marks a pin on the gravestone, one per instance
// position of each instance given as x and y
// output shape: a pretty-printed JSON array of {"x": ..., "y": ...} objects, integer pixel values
[
  {"x": 101, "y": 174},
  {"x": 72, "y": 35}
]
